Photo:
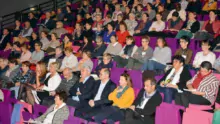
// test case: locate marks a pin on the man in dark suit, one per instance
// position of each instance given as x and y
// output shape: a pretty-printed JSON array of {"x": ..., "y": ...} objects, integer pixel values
[
  {"x": 99, "y": 96},
  {"x": 80, "y": 93},
  {"x": 48, "y": 23},
  {"x": 5, "y": 38},
  {"x": 143, "y": 109}
]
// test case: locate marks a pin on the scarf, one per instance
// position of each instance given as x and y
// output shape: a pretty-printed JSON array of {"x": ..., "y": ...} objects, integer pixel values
[
  {"x": 176, "y": 76},
  {"x": 174, "y": 23},
  {"x": 119, "y": 94},
  {"x": 199, "y": 79},
  {"x": 128, "y": 47}
]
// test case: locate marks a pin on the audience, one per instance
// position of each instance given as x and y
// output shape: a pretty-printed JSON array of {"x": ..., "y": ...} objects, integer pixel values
[
  {"x": 38, "y": 54},
  {"x": 158, "y": 25},
  {"x": 122, "y": 33},
  {"x": 144, "y": 107},
  {"x": 174, "y": 79},
  {"x": 53, "y": 44},
  {"x": 105, "y": 63},
  {"x": 131, "y": 23},
  {"x": 144, "y": 25},
  {"x": 59, "y": 30},
  {"x": 127, "y": 51},
  {"x": 109, "y": 33},
  {"x": 44, "y": 40},
  {"x": 201, "y": 89},
  {"x": 161, "y": 56},
  {"x": 100, "y": 48},
  {"x": 70, "y": 60},
  {"x": 26, "y": 54},
  {"x": 67, "y": 41},
  {"x": 141, "y": 55},
  {"x": 114, "y": 47},
  {"x": 122, "y": 98},
  {"x": 182, "y": 12},
  {"x": 5, "y": 38}
]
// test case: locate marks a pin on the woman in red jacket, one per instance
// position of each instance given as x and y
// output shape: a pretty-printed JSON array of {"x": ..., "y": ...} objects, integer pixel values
[{"x": 122, "y": 33}]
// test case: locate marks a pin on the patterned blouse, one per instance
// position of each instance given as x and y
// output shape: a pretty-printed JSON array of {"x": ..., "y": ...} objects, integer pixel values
[{"x": 23, "y": 78}]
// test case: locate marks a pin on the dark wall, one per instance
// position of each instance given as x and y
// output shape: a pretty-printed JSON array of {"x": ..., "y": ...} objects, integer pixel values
[{"x": 10, "y": 6}]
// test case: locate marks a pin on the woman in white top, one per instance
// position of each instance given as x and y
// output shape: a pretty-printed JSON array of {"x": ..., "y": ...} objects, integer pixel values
[
  {"x": 114, "y": 47},
  {"x": 51, "y": 82},
  {"x": 53, "y": 44},
  {"x": 204, "y": 55},
  {"x": 158, "y": 25},
  {"x": 69, "y": 60},
  {"x": 57, "y": 113},
  {"x": 44, "y": 40},
  {"x": 162, "y": 56}
]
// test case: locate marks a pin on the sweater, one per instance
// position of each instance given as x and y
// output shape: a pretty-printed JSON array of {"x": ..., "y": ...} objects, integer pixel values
[
  {"x": 200, "y": 57},
  {"x": 162, "y": 55},
  {"x": 113, "y": 48},
  {"x": 125, "y": 100},
  {"x": 187, "y": 54}
]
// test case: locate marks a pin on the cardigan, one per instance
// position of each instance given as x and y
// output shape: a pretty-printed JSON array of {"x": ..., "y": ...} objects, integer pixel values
[
  {"x": 158, "y": 26},
  {"x": 188, "y": 54},
  {"x": 162, "y": 55},
  {"x": 60, "y": 115},
  {"x": 194, "y": 27},
  {"x": 215, "y": 26},
  {"x": 113, "y": 49},
  {"x": 209, "y": 85},
  {"x": 69, "y": 62},
  {"x": 200, "y": 57},
  {"x": 130, "y": 51},
  {"x": 125, "y": 100},
  {"x": 184, "y": 77},
  {"x": 53, "y": 82},
  {"x": 106, "y": 36}
]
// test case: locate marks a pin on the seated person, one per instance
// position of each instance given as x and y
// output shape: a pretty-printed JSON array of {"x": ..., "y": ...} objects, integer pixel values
[
  {"x": 85, "y": 61},
  {"x": 18, "y": 28},
  {"x": 3, "y": 66},
  {"x": 67, "y": 82},
  {"x": 202, "y": 88},
  {"x": 210, "y": 5},
  {"x": 184, "y": 51},
  {"x": 38, "y": 54},
  {"x": 88, "y": 30},
  {"x": 24, "y": 76},
  {"x": 25, "y": 33},
  {"x": 204, "y": 55},
  {"x": 7, "y": 50},
  {"x": 182, "y": 12},
  {"x": 119, "y": 20},
  {"x": 59, "y": 30},
  {"x": 106, "y": 63},
  {"x": 34, "y": 38},
  {"x": 143, "y": 109},
  {"x": 190, "y": 27},
  {"x": 59, "y": 15},
  {"x": 68, "y": 17},
  {"x": 26, "y": 54},
  {"x": 87, "y": 44},
  {"x": 99, "y": 96},
  {"x": 157, "y": 25},
  {"x": 11, "y": 73},
  {"x": 78, "y": 34},
  {"x": 216, "y": 65},
  {"x": 98, "y": 21},
  {"x": 174, "y": 25},
  {"x": 99, "y": 31},
  {"x": 67, "y": 41},
  {"x": 144, "y": 25},
  {"x": 209, "y": 28},
  {"x": 69, "y": 60},
  {"x": 116, "y": 12},
  {"x": 16, "y": 51},
  {"x": 122, "y": 98},
  {"x": 107, "y": 20},
  {"x": 122, "y": 33},
  {"x": 97, "y": 12},
  {"x": 138, "y": 12},
  {"x": 161, "y": 56},
  {"x": 53, "y": 44},
  {"x": 80, "y": 93},
  {"x": 5, "y": 38},
  {"x": 47, "y": 24},
  {"x": 88, "y": 18},
  {"x": 44, "y": 40},
  {"x": 163, "y": 12},
  {"x": 100, "y": 47},
  {"x": 127, "y": 51},
  {"x": 194, "y": 6},
  {"x": 131, "y": 23},
  {"x": 84, "y": 8},
  {"x": 51, "y": 82},
  {"x": 114, "y": 47},
  {"x": 109, "y": 33},
  {"x": 1, "y": 96},
  {"x": 59, "y": 112},
  {"x": 142, "y": 54},
  {"x": 174, "y": 79},
  {"x": 150, "y": 11}
]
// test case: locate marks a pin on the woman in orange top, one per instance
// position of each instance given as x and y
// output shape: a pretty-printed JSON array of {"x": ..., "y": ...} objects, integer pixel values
[
  {"x": 67, "y": 41},
  {"x": 122, "y": 33},
  {"x": 210, "y": 5},
  {"x": 122, "y": 97}
]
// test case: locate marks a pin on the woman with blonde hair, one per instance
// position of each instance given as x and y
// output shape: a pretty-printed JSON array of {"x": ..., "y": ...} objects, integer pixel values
[{"x": 122, "y": 98}]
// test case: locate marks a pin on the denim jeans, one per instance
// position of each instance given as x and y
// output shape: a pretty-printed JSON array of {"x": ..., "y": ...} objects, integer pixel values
[
  {"x": 16, "y": 89},
  {"x": 169, "y": 93},
  {"x": 153, "y": 65}
]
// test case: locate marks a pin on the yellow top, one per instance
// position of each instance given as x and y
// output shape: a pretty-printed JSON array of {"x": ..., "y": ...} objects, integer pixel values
[
  {"x": 125, "y": 100},
  {"x": 208, "y": 8},
  {"x": 69, "y": 44}
]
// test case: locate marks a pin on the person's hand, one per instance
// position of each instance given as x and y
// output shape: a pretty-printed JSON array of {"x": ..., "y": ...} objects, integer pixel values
[
  {"x": 120, "y": 90},
  {"x": 52, "y": 93},
  {"x": 123, "y": 56},
  {"x": 132, "y": 107},
  {"x": 172, "y": 86},
  {"x": 39, "y": 88},
  {"x": 17, "y": 84},
  {"x": 137, "y": 31},
  {"x": 78, "y": 93},
  {"x": 162, "y": 84},
  {"x": 92, "y": 103},
  {"x": 153, "y": 29},
  {"x": 65, "y": 19},
  {"x": 30, "y": 121}
]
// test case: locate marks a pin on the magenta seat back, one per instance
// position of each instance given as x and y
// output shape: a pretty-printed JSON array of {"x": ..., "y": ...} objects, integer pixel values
[
  {"x": 205, "y": 17},
  {"x": 115, "y": 74},
  {"x": 158, "y": 77},
  {"x": 5, "y": 113},
  {"x": 172, "y": 43},
  {"x": 95, "y": 64},
  {"x": 136, "y": 77},
  {"x": 136, "y": 91},
  {"x": 39, "y": 109},
  {"x": 71, "y": 111},
  {"x": 192, "y": 72},
  {"x": 137, "y": 40},
  {"x": 74, "y": 5},
  {"x": 153, "y": 42},
  {"x": 7, "y": 94},
  {"x": 193, "y": 116},
  {"x": 114, "y": 64},
  {"x": 168, "y": 114}
]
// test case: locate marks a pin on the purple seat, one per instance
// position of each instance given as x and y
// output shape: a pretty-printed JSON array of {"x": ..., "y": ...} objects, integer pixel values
[
  {"x": 39, "y": 110},
  {"x": 205, "y": 17},
  {"x": 137, "y": 40},
  {"x": 71, "y": 111},
  {"x": 73, "y": 120},
  {"x": 74, "y": 5},
  {"x": 172, "y": 118},
  {"x": 27, "y": 116},
  {"x": 62, "y": 37},
  {"x": 136, "y": 91},
  {"x": 136, "y": 77},
  {"x": 158, "y": 77},
  {"x": 95, "y": 64},
  {"x": 5, "y": 113},
  {"x": 192, "y": 72},
  {"x": 153, "y": 42},
  {"x": 115, "y": 74},
  {"x": 199, "y": 17},
  {"x": 114, "y": 64},
  {"x": 172, "y": 43},
  {"x": 7, "y": 94}
]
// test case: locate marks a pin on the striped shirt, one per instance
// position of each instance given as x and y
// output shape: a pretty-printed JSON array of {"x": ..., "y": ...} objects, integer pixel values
[{"x": 209, "y": 85}]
